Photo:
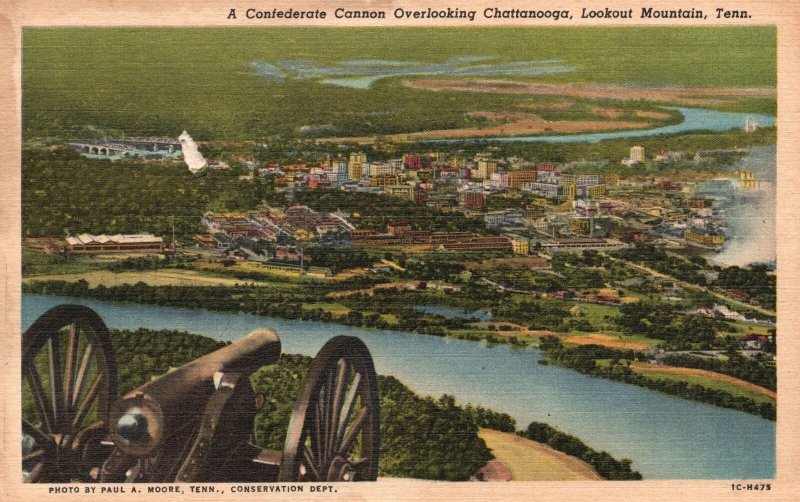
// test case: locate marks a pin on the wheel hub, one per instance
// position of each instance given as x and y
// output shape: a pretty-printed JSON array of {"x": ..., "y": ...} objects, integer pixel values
[{"x": 341, "y": 469}]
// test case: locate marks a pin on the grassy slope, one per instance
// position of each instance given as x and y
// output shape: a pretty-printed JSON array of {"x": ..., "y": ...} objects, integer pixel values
[
  {"x": 708, "y": 379},
  {"x": 531, "y": 461},
  {"x": 159, "y": 81}
]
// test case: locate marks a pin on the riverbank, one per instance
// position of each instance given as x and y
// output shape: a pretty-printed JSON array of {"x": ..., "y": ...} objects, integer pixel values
[
  {"x": 698, "y": 385},
  {"x": 583, "y": 357},
  {"x": 276, "y": 302},
  {"x": 516, "y": 123}
]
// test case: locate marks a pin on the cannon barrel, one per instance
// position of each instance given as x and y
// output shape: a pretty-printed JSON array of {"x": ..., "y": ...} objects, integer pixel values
[{"x": 144, "y": 417}]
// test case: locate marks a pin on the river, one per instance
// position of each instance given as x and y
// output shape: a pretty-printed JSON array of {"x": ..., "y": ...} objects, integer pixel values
[
  {"x": 666, "y": 437},
  {"x": 694, "y": 119}
]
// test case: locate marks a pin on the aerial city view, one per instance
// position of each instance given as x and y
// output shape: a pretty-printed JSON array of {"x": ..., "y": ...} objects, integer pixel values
[{"x": 557, "y": 245}]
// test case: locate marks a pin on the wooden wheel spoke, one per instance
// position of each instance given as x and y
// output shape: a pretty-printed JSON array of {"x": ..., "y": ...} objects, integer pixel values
[
  {"x": 321, "y": 425},
  {"x": 35, "y": 473},
  {"x": 79, "y": 381},
  {"x": 316, "y": 437},
  {"x": 336, "y": 405},
  {"x": 336, "y": 418},
  {"x": 326, "y": 419},
  {"x": 33, "y": 455},
  {"x": 38, "y": 436},
  {"x": 308, "y": 461},
  {"x": 82, "y": 374},
  {"x": 347, "y": 408},
  {"x": 71, "y": 361},
  {"x": 56, "y": 391},
  {"x": 352, "y": 434},
  {"x": 45, "y": 411},
  {"x": 86, "y": 403}
]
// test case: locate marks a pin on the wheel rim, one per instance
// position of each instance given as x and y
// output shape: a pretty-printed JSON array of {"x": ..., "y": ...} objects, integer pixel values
[
  {"x": 68, "y": 379},
  {"x": 334, "y": 431}
]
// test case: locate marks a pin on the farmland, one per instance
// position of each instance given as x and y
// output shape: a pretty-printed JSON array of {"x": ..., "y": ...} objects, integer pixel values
[
  {"x": 708, "y": 379},
  {"x": 531, "y": 461}
]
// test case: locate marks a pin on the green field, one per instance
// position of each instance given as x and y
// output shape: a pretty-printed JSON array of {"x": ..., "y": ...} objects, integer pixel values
[
  {"x": 711, "y": 383},
  {"x": 39, "y": 263},
  {"x": 596, "y": 315},
  {"x": 159, "y": 81}
]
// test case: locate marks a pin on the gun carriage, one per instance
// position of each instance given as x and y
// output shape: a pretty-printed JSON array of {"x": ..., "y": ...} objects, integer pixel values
[{"x": 193, "y": 423}]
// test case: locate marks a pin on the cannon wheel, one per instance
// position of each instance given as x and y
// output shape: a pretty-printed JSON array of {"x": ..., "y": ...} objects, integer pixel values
[
  {"x": 69, "y": 377},
  {"x": 334, "y": 431}
]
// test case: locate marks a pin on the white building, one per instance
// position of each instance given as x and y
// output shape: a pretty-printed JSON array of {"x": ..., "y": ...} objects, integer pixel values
[
  {"x": 129, "y": 243},
  {"x": 380, "y": 169},
  {"x": 397, "y": 164},
  {"x": 636, "y": 156},
  {"x": 340, "y": 170},
  {"x": 486, "y": 168}
]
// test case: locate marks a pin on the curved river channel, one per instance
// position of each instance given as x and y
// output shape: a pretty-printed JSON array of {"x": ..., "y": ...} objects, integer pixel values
[
  {"x": 666, "y": 437},
  {"x": 694, "y": 119}
]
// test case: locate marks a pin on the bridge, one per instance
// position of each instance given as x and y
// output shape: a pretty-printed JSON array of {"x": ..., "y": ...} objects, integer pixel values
[
  {"x": 103, "y": 148},
  {"x": 125, "y": 147}
]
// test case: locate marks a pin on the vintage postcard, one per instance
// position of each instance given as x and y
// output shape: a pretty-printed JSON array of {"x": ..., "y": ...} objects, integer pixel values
[{"x": 463, "y": 251}]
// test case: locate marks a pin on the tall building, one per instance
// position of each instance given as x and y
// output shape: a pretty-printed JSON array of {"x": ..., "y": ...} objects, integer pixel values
[
  {"x": 747, "y": 180},
  {"x": 637, "y": 154},
  {"x": 592, "y": 191},
  {"x": 517, "y": 178},
  {"x": 570, "y": 190},
  {"x": 380, "y": 169},
  {"x": 355, "y": 168},
  {"x": 397, "y": 164},
  {"x": 339, "y": 168},
  {"x": 588, "y": 179},
  {"x": 519, "y": 244},
  {"x": 412, "y": 162},
  {"x": 474, "y": 200},
  {"x": 486, "y": 168}
]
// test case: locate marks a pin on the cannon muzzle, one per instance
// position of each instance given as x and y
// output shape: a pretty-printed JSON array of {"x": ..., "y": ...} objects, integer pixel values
[{"x": 157, "y": 410}]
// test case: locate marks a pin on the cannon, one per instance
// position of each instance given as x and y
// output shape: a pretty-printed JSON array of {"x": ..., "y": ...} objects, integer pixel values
[{"x": 194, "y": 423}]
